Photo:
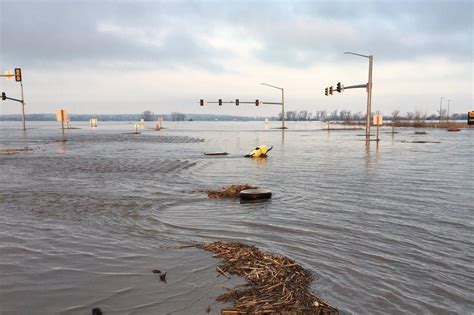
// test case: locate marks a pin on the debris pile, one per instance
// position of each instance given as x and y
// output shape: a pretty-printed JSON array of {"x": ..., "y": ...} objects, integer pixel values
[
  {"x": 232, "y": 191},
  {"x": 275, "y": 284}
]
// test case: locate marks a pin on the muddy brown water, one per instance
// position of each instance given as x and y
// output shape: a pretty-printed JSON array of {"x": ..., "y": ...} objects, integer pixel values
[{"x": 386, "y": 230}]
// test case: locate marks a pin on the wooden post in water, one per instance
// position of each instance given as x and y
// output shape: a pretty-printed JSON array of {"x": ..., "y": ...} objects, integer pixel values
[
  {"x": 62, "y": 124},
  {"x": 61, "y": 115}
]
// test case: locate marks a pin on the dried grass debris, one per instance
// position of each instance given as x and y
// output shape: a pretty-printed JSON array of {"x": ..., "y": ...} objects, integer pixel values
[
  {"x": 275, "y": 284},
  {"x": 10, "y": 151},
  {"x": 232, "y": 191}
]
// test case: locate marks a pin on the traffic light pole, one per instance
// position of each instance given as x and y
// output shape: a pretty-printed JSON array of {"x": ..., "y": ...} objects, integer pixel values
[
  {"x": 282, "y": 103},
  {"x": 23, "y": 107},
  {"x": 369, "y": 99},
  {"x": 369, "y": 94},
  {"x": 18, "y": 78},
  {"x": 283, "y": 109}
]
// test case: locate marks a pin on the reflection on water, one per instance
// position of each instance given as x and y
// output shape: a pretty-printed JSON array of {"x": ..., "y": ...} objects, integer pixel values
[{"x": 386, "y": 228}]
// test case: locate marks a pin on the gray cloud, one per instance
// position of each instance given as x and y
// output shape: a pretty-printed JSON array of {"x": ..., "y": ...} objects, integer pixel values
[
  {"x": 53, "y": 33},
  {"x": 291, "y": 33}
]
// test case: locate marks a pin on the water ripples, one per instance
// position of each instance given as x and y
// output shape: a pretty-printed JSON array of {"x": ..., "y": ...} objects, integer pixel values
[{"x": 385, "y": 230}]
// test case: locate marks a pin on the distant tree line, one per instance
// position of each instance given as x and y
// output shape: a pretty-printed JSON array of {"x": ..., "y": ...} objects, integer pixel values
[
  {"x": 347, "y": 115},
  {"x": 302, "y": 115},
  {"x": 147, "y": 116}
]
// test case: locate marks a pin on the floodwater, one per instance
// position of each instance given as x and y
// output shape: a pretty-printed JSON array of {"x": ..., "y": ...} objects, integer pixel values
[{"x": 386, "y": 229}]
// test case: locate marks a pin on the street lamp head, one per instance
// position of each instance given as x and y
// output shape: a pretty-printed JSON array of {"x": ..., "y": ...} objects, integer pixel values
[{"x": 356, "y": 54}]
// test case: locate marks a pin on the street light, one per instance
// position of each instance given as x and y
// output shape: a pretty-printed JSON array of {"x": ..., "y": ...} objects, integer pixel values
[
  {"x": 282, "y": 103},
  {"x": 369, "y": 92}
]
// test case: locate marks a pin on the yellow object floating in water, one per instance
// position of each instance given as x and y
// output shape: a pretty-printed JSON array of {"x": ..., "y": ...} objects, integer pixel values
[{"x": 259, "y": 152}]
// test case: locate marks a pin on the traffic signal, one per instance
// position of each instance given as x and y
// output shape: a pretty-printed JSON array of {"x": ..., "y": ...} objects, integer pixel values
[
  {"x": 237, "y": 102},
  {"x": 330, "y": 90},
  {"x": 17, "y": 74},
  {"x": 220, "y": 102},
  {"x": 201, "y": 102},
  {"x": 338, "y": 88},
  {"x": 4, "y": 96},
  {"x": 326, "y": 91}
]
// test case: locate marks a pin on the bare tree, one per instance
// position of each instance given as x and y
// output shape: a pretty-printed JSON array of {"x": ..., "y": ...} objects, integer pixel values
[
  {"x": 323, "y": 114},
  {"x": 303, "y": 115},
  {"x": 291, "y": 115},
  {"x": 177, "y": 116},
  {"x": 396, "y": 115},
  {"x": 148, "y": 115}
]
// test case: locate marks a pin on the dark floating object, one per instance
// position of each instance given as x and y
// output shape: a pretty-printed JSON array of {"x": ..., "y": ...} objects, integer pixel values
[
  {"x": 244, "y": 201},
  {"x": 163, "y": 277},
  {"x": 254, "y": 194},
  {"x": 420, "y": 132},
  {"x": 418, "y": 141},
  {"x": 156, "y": 271},
  {"x": 96, "y": 311},
  {"x": 216, "y": 153},
  {"x": 453, "y": 129}
]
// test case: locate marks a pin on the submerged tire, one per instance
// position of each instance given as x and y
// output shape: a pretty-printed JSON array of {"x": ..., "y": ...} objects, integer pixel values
[{"x": 255, "y": 194}]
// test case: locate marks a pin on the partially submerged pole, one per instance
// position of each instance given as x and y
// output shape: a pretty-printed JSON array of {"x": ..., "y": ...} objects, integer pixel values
[
  {"x": 62, "y": 124},
  {"x": 369, "y": 100},
  {"x": 23, "y": 107}
]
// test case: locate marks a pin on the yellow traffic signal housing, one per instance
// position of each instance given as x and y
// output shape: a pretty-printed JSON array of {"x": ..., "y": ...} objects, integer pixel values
[
  {"x": 470, "y": 118},
  {"x": 17, "y": 74}
]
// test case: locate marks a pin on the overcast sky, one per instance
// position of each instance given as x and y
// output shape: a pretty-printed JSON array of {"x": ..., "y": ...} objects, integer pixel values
[{"x": 163, "y": 56}]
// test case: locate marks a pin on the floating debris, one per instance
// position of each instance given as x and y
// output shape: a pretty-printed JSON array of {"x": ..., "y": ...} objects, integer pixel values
[
  {"x": 96, "y": 311},
  {"x": 419, "y": 141},
  {"x": 232, "y": 191},
  {"x": 259, "y": 152},
  {"x": 255, "y": 194},
  {"x": 156, "y": 271},
  {"x": 14, "y": 150},
  {"x": 215, "y": 153},
  {"x": 163, "y": 277},
  {"x": 275, "y": 284},
  {"x": 453, "y": 129}
]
